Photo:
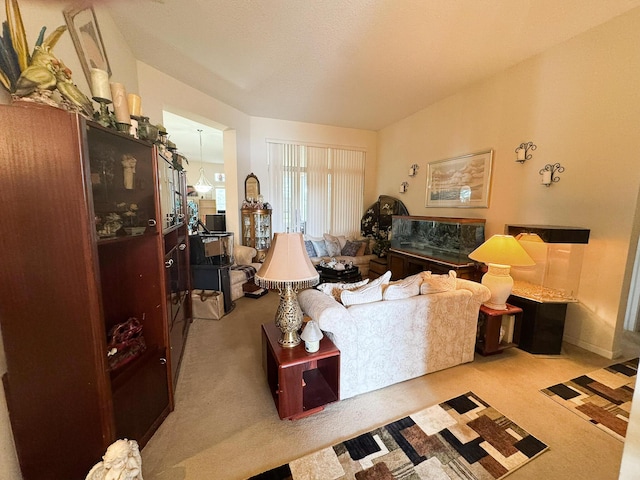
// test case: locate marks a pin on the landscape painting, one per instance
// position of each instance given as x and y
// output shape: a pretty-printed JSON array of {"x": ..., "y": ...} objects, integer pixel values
[{"x": 460, "y": 182}]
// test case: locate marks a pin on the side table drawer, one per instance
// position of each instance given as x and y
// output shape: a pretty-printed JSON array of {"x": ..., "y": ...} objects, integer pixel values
[{"x": 377, "y": 267}]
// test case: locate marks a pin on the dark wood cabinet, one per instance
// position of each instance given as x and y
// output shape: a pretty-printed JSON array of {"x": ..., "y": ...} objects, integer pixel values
[
  {"x": 173, "y": 204},
  {"x": 82, "y": 252},
  {"x": 403, "y": 264},
  {"x": 377, "y": 267}
]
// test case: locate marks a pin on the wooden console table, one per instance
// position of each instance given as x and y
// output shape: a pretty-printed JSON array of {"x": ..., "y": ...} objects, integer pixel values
[
  {"x": 489, "y": 323},
  {"x": 301, "y": 383}
]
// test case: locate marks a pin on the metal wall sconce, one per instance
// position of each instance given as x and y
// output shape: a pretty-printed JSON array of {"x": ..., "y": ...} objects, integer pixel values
[
  {"x": 523, "y": 150},
  {"x": 549, "y": 173},
  {"x": 413, "y": 170},
  {"x": 403, "y": 187}
]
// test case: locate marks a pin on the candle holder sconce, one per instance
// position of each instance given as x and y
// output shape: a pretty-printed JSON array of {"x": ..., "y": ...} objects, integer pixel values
[
  {"x": 549, "y": 173},
  {"x": 522, "y": 152},
  {"x": 413, "y": 170},
  {"x": 403, "y": 187}
]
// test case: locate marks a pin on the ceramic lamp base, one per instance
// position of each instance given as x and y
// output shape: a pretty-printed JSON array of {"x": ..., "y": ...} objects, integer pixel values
[{"x": 500, "y": 283}]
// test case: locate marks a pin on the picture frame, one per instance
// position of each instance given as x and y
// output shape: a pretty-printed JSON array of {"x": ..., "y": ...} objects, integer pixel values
[
  {"x": 251, "y": 188},
  {"x": 461, "y": 182},
  {"x": 87, "y": 40}
]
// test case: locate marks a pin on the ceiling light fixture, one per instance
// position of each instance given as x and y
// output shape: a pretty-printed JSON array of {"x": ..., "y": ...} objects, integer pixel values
[{"x": 203, "y": 185}]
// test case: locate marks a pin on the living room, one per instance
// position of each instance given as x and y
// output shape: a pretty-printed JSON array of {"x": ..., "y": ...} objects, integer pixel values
[{"x": 578, "y": 101}]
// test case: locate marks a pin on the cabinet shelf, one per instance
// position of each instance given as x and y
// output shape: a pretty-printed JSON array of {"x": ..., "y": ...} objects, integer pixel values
[
  {"x": 256, "y": 230},
  {"x": 120, "y": 375}
]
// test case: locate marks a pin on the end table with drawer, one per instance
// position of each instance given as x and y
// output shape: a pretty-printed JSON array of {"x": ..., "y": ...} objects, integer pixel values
[{"x": 301, "y": 383}]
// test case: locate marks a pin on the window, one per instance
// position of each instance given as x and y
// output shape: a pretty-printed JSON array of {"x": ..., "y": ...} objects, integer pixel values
[
  {"x": 316, "y": 189},
  {"x": 221, "y": 199}
]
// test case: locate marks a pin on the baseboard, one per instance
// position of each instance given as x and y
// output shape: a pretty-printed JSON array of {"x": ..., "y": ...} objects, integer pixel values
[{"x": 610, "y": 354}]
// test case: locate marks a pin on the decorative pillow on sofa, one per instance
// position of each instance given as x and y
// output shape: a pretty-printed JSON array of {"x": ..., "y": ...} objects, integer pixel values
[
  {"x": 437, "y": 283},
  {"x": 405, "y": 288},
  {"x": 372, "y": 292},
  {"x": 335, "y": 289},
  {"x": 320, "y": 247},
  {"x": 333, "y": 245},
  {"x": 351, "y": 248},
  {"x": 311, "y": 251}
]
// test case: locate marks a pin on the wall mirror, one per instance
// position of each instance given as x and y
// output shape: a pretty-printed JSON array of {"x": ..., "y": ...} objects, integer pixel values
[{"x": 251, "y": 188}]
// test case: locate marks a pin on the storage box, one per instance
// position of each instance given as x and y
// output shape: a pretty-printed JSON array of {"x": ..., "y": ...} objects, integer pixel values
[{"x": 211, "y": 248}]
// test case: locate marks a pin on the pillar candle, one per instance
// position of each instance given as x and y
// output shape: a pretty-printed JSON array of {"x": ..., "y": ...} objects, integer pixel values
[
  {"x": 546, "y": 177},
  {"x": 120, "y": 105},
  {"x": 135, "y": 104},
  {"x": 521, "y": 153},
  {"x": 100, "y": 84}
]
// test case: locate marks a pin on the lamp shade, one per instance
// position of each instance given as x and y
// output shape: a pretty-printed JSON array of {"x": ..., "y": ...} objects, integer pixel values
[
  {"x": 502, "y": 250},
  {"x": 287, "y": 263}
]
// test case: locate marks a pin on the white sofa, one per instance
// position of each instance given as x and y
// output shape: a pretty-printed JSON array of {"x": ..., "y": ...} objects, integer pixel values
[
  {"x": 390, "y": 341},
  {"x": 340, "y": 241}
]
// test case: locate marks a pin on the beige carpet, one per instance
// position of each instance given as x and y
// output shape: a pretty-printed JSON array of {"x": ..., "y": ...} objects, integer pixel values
[{"x": 225, "y": 425}]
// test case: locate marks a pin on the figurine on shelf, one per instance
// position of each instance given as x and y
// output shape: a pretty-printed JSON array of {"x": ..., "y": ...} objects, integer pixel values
[
  {"x": 121, "y": 461},
  {"x": 129, "y": 166}
]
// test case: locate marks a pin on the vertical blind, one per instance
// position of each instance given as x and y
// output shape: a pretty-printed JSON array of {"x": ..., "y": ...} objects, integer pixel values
[{"x": 316, "y": 189}]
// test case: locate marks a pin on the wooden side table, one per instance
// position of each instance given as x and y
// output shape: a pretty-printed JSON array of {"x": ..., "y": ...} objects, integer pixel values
[
  {"x": 377, "y": 267},
  {"x": 301, "y": 383},
  {"x": 489, "y": 323}
]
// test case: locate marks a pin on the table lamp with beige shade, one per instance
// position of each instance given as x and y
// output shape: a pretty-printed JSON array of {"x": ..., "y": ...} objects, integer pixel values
[{"x": 287, "y": 267}]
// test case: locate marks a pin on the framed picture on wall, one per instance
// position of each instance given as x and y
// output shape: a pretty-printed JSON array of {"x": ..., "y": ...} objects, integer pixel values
[
  {"x": 87, "y": 40},
  {"x": 462, "y": 181}
]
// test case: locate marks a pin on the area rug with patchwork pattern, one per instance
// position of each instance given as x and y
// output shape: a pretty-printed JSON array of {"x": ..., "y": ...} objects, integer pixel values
[
  {"x": 462, "y": 438},
  {"x": 602, "y": 397}
]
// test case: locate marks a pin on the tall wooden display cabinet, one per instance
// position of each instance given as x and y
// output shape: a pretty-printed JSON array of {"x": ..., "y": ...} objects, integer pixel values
[{"x": 82, "y": 252}]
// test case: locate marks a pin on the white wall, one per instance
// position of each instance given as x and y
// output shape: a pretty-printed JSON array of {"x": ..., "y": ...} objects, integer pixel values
[
  {"x": 161, "y": 92},
  {"x": 263, "y": 129},
  {"x": 580, "y": 104}
]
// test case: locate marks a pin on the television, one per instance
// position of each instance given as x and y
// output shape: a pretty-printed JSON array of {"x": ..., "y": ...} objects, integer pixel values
[{"x": 215, "y": 223}]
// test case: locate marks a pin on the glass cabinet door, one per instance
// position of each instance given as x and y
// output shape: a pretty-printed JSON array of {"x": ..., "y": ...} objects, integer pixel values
[
  {"x": 122, "y": 183},
  {"x": 256, "y": 229}
]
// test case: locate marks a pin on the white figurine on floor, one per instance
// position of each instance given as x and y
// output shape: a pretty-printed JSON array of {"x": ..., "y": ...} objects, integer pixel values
[{"x": 121, "y": 461}]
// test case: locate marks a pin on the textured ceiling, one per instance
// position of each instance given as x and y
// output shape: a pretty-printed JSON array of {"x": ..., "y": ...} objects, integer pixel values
[{"x": 351, "y": 63}]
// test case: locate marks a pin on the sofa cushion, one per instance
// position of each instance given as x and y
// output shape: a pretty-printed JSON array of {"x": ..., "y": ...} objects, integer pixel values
[
  {"x": 405, "y": 288},
  {"x": 437, "y": 283},
  {"x": 351, "y": 248},
  {"x": 335, "y": 289},
  {"x": 372, "y": 292},
  {"x": 320, "y": 248},
  {"x": 311, "y": 251},
  {"x": 333, "y": 245}
]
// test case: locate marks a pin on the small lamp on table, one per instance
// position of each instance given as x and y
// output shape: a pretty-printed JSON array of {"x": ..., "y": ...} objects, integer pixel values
[{"x": 500, "y": 253}]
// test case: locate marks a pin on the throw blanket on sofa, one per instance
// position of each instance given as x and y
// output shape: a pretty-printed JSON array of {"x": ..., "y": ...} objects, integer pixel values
[{"x": 248, "y": 270}]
